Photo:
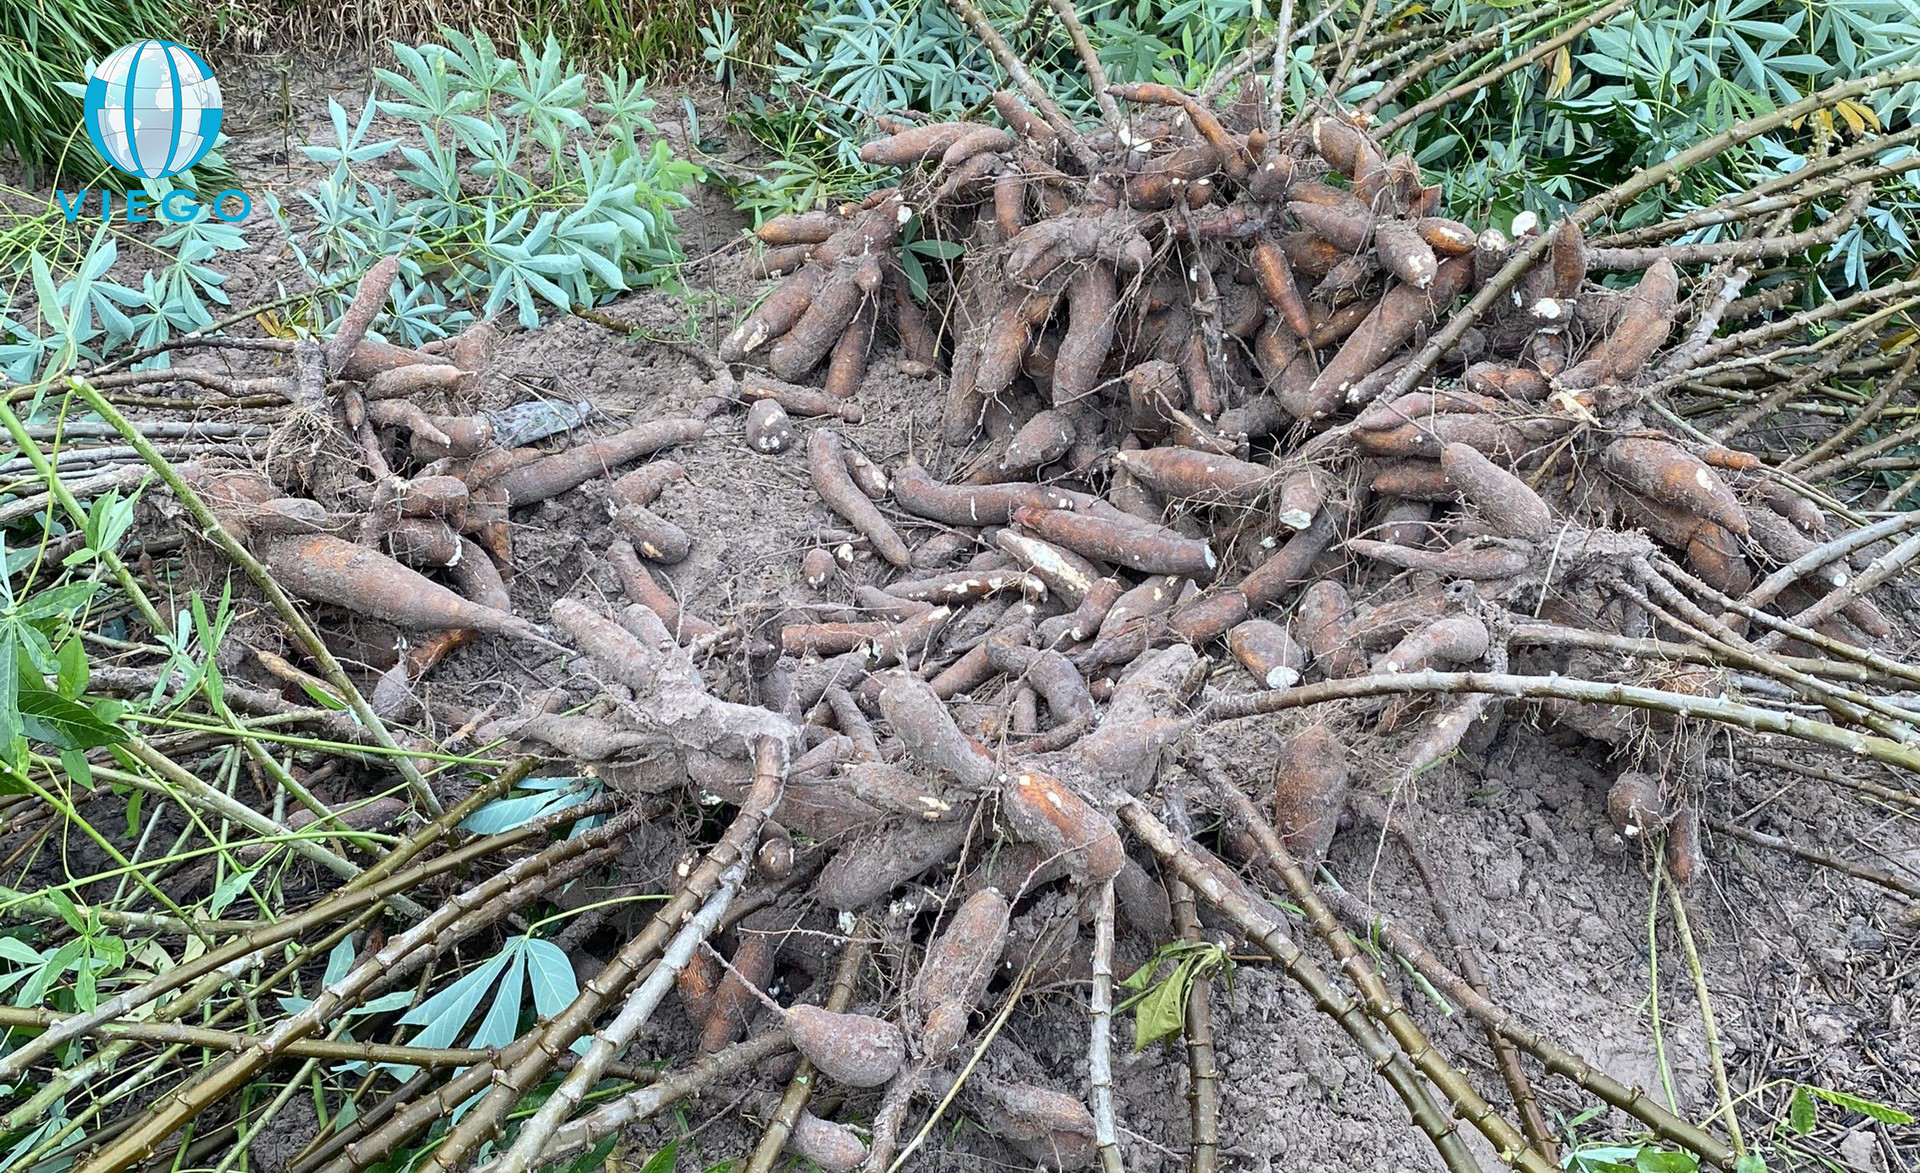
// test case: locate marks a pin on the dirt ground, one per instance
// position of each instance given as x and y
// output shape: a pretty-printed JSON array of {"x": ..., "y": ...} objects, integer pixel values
[{"x": 1813, "y": 976}]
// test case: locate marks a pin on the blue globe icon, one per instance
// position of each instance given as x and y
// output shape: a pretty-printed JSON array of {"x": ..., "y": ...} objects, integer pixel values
[{"x": 153, "y": 108}]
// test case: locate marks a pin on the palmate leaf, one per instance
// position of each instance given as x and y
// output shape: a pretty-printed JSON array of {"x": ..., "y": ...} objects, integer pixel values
[
  {"x": 502, "y": 1020},
  {"x": 445, "y": 1014},
  {"x": 56, "y": 721}
]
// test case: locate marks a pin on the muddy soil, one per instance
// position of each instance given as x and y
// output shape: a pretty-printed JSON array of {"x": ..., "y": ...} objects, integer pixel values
[{"x": 1813, "y": 976}]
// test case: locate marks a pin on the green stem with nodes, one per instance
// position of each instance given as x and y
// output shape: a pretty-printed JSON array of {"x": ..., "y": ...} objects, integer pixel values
[
  {"x": 1631, "y": 1100},
  {"x": 180, "y": 1106},
  {"x": 1466, "y": 1103},
  {"x": 227, "y": 1040},
  {"x": 372, "y": 887},
  {"x": 485, "y": 1119},
  {"x": 1510, "y": 66},
  {"x": 73, "y": 818},
  {"x": 1759, "y": 720},
  {"x": 1707, "y": 1022},
  {"x": 283, "y": 604},
  {"x": 1219, "y": 887}
]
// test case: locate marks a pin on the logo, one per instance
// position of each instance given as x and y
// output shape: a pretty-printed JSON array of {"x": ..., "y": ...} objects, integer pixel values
[{"x": 153, "y": 108}]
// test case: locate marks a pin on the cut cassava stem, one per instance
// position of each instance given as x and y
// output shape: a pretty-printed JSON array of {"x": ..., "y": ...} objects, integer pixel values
[
  {"x": 800, "y": 1088},
  {"x": 1467, "y": 957},
  {"x": 1517, "y": 687},
  {"x": 612, "y": 1038},
  {"x": 188, "y": 1102},
  {"x": 483, "y": 1120},
  {"x": 1462, "y": 1099},
  {"x": 284, "y": 607},
  {"x": 1211, "y": 881}
]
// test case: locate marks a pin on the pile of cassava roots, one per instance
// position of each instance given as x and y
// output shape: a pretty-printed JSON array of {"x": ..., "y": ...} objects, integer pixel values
[{"x": 1234, "y": 421}]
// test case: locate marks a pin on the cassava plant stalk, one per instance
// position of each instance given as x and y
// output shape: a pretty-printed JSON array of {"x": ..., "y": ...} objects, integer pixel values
[
  {"x": 1559, "y": 1061},
  {"x": 1206, "y": 876},
  {"x": 578, "y": 1135},
  {"x": 1461, "y": 1096},
  {"x": 1506, "y": 1056},
  {"x": 613, "y": 1038},
  {"x": 799, "y": 1091},
  {"x": 283, "y": 605},
  {"x": 483, "y": 1121},
  {"x": 1709, "y": 1027},
  {"x": 1203, "y": 1066},
  {"x": 179, "y": 1107},
  {"x": 369, "y": 889},
  {"x": 1586, "y": 691},
  {"x": 1510, "y": 66},
  {"x": 1106, "y": 1137}
]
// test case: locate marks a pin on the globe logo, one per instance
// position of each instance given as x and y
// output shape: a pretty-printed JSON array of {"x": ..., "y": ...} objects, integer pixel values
[{"x": 153, "y": 108}]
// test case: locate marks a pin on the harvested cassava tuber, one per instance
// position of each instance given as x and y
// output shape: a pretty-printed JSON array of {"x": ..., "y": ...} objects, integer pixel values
[
  {"x": 1147, "y": 548},
  {"x": 1636, "y": 806},
  {"x": 1309, "y": 788},
  {"x": 959, "y": 964},
  {"x": 697, "y": 981},
  {"x": 1470, "y": 559},
  {"x": 668, "y": 694},
  {"x": 1671, "y": 475},
  {"x": 1414, "y": 480},
  {"x": 774, "y": 857},
  {"x": 874, "y": 863},
  {"x": 1040, "y": 441},
  {"x": 856, "y": 1050},
  {"x": 827, "y": 463},
  {"x": 1042, "y": 810},
  {"x": 1506, "y": 502},
  {"x": 828, "y": 314},
  {"x": 1388, "y": 328},
  {"x": 1049, "y": 1126},
  {"x": 1405, "y": 253},
  {"x": 1065, "y": 573},
  {"x": 1267, "y": 651},
  {"x": 1203, "y": 478},
  {"x": 919, "y": 494},
  {"x": 801, "y": 227},
  {"x": 653, "y": 536},
  {"x": 890, "y": 788},
  {"x": 867, "y": 476},
  {"x": 1299, "y": 500},
  {"x": 916, "y": 144},
  {"x": 550, "y": 476},
  {"x": 640, "y": 588},
  {"x": 835, "y": 1148},
  {"x": 1092, "y": 297},
  {"x": 966, "y": 586},
  {"x": 735, "y": 1000},
  {"x": 768, "y": 427},
  {"x": 795, "y": 399},
  {"x": 1456, "y": 639},
  {"x": 817, "y": 568},
  {"x": 921, "y": 720},
  {"x": 321, "y": 568},
  {"x": 1639, "y": 330},
  {"x": 424, "y": 541}
]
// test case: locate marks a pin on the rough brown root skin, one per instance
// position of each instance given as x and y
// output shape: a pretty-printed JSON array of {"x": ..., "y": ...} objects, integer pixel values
[{"x": 827, "y": 464}]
